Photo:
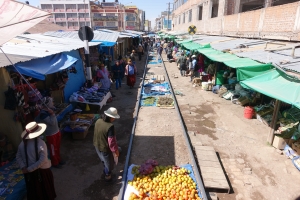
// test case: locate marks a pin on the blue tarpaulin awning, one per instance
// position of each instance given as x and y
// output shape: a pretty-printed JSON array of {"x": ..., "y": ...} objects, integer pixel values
[
  {"x": 38, "y": 68},
  {"x": 105, "y": 43}
]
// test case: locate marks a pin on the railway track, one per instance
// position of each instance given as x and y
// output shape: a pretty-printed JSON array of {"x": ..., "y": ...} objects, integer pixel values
[{"x": 158, "y": 133}]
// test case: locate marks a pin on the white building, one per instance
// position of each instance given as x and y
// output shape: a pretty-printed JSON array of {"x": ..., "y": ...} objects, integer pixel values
[{"x": 70, "y": 14}]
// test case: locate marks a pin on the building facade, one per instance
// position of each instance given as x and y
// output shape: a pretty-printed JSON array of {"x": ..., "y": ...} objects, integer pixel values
[
  {"x": 68, "y": 14},
  {"x": 98, "y": 15},
  {"x": 270, "y": 19}
]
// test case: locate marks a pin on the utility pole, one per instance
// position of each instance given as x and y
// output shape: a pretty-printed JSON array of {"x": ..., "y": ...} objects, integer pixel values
[{"x": 168, "y": 15}]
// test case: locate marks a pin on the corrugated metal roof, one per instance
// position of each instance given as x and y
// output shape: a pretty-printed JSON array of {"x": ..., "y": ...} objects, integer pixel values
[
  {"x": 209, "y": 39},
  {"x": 14, "y": 59},
  {"x": 29, "y": 46},
  {"x": 101, "y": 36},
  {"x": 233, "y": 43}
]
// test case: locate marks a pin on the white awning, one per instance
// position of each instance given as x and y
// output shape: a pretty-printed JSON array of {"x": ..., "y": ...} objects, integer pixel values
[{"x": 16, "y": 18}]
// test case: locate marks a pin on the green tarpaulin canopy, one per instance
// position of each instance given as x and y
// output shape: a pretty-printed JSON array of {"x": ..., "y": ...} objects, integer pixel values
[
  {"x": 246, "y": 68},
  {"x": 276, "y": 84},
  {"x": 183, "y": 41}
]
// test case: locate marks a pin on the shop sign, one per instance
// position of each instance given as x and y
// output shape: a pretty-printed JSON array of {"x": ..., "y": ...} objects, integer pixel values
[
  {"x": 106, "y": 18},
  {"x": 130, "y": 27}
]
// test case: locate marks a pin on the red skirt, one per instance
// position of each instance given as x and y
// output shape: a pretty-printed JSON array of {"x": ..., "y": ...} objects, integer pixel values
[
  {"x": 40, "y": 185},
  {"x": 131, "y": 80}
]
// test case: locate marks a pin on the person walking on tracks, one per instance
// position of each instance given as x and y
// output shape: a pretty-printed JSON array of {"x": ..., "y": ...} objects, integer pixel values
[
  {"x": 105, "y": 142},
  {"x": 182, "y": 64},
  {"x": 140, "y": 51},
  {"x": 130, "y": 72},
  {"x": 193, "y": 67}
]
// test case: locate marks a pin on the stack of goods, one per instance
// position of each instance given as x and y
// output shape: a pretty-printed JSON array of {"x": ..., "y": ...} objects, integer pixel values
[
  {"x": 90, "y": 95},
  {"x": 264, "y": 113},
  {"x": 80, "y": 123},
  {"x": 148, "y": 101},
  {"x": 151, "y": 181}
]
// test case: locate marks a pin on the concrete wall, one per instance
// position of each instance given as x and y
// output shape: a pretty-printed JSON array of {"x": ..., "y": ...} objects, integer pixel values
[
  {"x": 277, "y": 22},
  {"x": 8, "y": 126}
]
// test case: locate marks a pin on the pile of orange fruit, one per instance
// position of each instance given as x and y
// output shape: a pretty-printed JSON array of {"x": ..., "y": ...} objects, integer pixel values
[{"x": 164, "y": 183}]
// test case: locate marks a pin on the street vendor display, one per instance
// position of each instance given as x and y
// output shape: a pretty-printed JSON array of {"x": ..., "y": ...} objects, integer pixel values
[
  {"x": 151, "y": 181},
  {"x": 94, "y": 95},
  {"x": 12, "y": 184}
]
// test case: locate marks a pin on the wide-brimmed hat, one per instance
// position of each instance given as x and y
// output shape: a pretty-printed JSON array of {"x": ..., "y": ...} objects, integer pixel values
[
  {"x": 193, "y": 56},
  {"x": 33, "y": 130},
  {"x": 112, "y": 112}
]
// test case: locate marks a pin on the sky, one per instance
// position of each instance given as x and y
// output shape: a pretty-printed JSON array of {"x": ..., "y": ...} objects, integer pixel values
[{"x": 152, "y": 8}]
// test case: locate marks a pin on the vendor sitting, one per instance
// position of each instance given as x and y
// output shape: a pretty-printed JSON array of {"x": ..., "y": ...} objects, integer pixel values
[{"x": 7, "y": 153}]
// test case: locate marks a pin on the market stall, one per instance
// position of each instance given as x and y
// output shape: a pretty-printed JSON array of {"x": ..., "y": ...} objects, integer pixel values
[
  {"x": 92, "y": 96},
  {"x": 78, "y": 124}
]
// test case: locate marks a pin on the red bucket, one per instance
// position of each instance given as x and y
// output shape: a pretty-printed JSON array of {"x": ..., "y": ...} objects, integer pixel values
[{"x": 248, "y": 112}]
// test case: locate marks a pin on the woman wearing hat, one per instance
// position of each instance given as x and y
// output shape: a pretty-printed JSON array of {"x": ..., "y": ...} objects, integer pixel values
[
  {"x": 52, "y": 132},
  {"x": 105, "y": 141},
  {"x": 103, "y": 76},
  {"x": 130, "y": 72},
  {"x": 32, "y": 158}
]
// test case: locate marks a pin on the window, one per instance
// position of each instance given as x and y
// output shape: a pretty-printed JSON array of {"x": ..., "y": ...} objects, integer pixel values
[
  {"x": 58, "y": 7},
  {"x": 71, "y": 6},
  {"x": 110, "y": 24},
  {"x": 71, "y": 15},
  {"x": 63, "y": 24},
  {"x": 183, "y": 18},
  {"x": 83, "y": 6},
  {"x": 81, "y": 24},
  {"x": 83, "y": 15},
  {"x": 200, "y": 12},
  {"x": 46, "y": 6},
  {"x": 214, "y": 10},
  {"x": 130, "y": 24},
  {"x": 60, "y": 15},
  {"x": 73, "y": 24},
  {"x": 190, "y": 15}
]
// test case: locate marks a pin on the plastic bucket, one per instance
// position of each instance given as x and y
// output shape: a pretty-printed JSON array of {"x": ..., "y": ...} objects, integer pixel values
[{"x": 248, "y": 112}]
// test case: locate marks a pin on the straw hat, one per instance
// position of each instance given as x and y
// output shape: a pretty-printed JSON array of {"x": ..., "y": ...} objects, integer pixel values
[
  {"x": 112, "y": 112},
  {"x": 33, "y": 130}
]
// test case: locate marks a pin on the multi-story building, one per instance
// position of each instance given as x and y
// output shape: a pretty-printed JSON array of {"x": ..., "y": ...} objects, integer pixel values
[
  {"x": 270, "y": 19},
  {"x": 69, "y": 14},
  {"x": 158, "y": 24},
  {"x": 141, "y": 22},
  {"x": 107, "y": 15},
  {"x": 165, "y": 21}
]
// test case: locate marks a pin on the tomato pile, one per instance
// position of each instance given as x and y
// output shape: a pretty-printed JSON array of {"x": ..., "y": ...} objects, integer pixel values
[{"x": 162, "y": 183}]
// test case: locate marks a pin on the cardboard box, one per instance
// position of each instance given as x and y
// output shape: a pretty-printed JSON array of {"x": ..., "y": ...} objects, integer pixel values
[
  {"x": 79, "y": 135},
  {"x": 279, "y": 143},
  {"x": 296, "y": 149}
]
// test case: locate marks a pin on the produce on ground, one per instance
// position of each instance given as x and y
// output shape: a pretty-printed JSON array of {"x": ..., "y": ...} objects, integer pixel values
[
  {"x": 149, "y": 101},
  {"x": 155, "y": 182},
  {"x": 165, "y": 101}
]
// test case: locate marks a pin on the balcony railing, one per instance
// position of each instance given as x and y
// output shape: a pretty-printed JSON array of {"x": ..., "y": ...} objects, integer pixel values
[
  {"x": 72, "y": 19},
  {"x": 59, "y": 10},
  {"x": 48, "y": 10},
  {"x": 83, "y": 10},
  {"x": 71, "y": 10},
  {"x": 84, "y": 19},
  {"x": 50, "y": 19},
  {"x": 60, "y": 19}
]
